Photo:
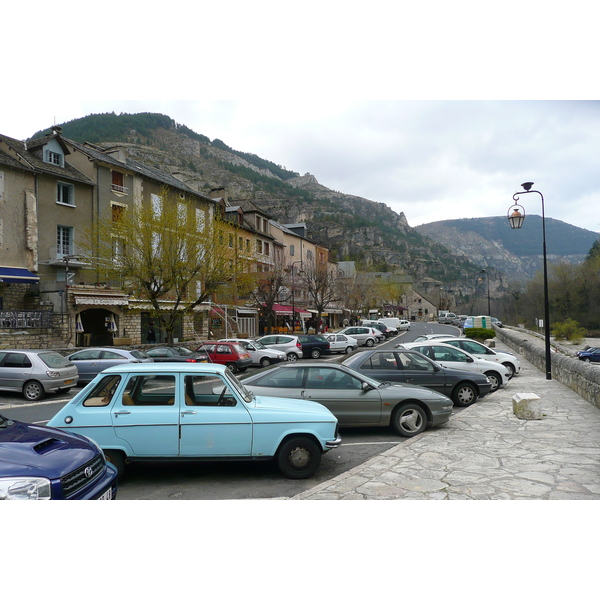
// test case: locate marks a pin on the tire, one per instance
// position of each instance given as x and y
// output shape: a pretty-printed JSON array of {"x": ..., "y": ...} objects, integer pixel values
[
  {"x": 232, "y": 367},
  {"x": 33, "y": 390},
  {"x": 511, "y": 369},
  {"x": 299, "y": 457},
  {"x": 464, "y": 394},
  {"x": 118, "y": 459},
  {"x": 349, "y": 349},
  {"x": 370, "y": 343},
  {"x": 409, "y": 420},
  {"x": 291, "y": 357},
  {"x": 315, "y": 353},
  {"x": 586, "y": 360},
  {"x": 264, "y": 362},
  {"x": 495, "y": 378}
]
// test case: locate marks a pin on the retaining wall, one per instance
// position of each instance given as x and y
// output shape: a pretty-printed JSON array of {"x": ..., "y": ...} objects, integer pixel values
[{"x": 582, "y": 378}]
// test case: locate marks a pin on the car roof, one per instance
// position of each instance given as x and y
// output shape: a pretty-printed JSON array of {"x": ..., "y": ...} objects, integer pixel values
[
  {"x": 176, "y": 367},
  {"x": 30, "y": 350}
]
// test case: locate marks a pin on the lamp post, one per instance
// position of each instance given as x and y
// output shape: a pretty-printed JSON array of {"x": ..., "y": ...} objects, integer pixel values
[
  {"x": 484, "y": 272},
  {"x": 516, "y": 218}
]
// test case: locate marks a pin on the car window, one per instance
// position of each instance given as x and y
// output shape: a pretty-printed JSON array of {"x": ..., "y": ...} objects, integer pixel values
[
  {"x": 108, "y": 355},
  {"x": 159, "y": 352},
  {"x": 103, "y": 392},
  {"x": 149, "y": 390},
  {"x": 207, "y": 390},
  {"x": 284, "y": 378},
  {"x": 18, "y": 360},
  {"x": 138, "y": 354},
  {"x": 473, "y": 347},
  {"x": 282, "y": 339},
  {"x": 2, "y": 355},
  {"x": 414, "y": 362},
  {"x": 380, "y": 361},
  {"x": 450, "y": 354},
  {"x": 269, "y": 340},
  {"x": 223, "y": 349},
  {"x": 54, "y": 360},
  {"x": 210, "y": 348},
  {"x": 86, "y": 355},
  {"x": 324, "y": 378}
]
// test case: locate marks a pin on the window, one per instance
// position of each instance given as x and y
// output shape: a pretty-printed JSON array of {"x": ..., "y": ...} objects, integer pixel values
[
  {"x": 118, "y": 182},
  {"x": 117, "y": 211},
  {"x": 149, "y": 390},
  {"x": 200, "y": 218},
  {"x": 64, "y": 241},
  {"x": 231, "y": 240},
  {"x": 292, "y": 249},
  {"x": 65, "y": 193},
  {"x": 259, "y": 246},
  {"x": 267, "y": 249},
  {"x": 248, "y": 246},
  {"x": 156, "y": 205},
  {"x": 207, "y": 390},
  {"x": 54, "y": 158}
]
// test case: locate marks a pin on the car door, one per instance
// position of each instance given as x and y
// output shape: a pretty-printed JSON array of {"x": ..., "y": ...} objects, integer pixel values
[
  {"x": 87, "y": 363},
  {"x": 419, "y": 371},
  {"x": 214, "y": 420},
  {"x": 109, "y": 359},
  {"x": 343, "y": 395},
  {"x": 453, "y": 358},
  {"x": 383, "y": 366},
  {"x": 145, "y": 413},
  {"x": 15, "y": 370}
]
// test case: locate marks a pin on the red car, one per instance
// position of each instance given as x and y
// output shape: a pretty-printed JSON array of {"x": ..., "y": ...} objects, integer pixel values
[{"x": 233, "y": 356}]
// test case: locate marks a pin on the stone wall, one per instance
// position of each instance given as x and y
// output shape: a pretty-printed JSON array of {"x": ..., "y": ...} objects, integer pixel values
[{"x": 582, "y": 378}]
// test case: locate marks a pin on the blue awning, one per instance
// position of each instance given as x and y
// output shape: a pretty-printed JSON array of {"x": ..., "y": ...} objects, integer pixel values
[{"x": 17, "y": 275}]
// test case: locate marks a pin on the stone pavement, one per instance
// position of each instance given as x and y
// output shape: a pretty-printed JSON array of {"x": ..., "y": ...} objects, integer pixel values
[{"x": 486, "y": 453}]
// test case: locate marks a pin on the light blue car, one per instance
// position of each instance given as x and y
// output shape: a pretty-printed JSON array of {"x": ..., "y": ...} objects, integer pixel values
[{"x": 198, "y": 411}]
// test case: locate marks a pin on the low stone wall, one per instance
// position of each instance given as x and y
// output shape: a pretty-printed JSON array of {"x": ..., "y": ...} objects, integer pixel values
[{"x": 582, "y": 378}]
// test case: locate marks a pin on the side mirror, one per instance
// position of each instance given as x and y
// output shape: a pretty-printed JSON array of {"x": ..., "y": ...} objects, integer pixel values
[{"x": 365, "y": 386}]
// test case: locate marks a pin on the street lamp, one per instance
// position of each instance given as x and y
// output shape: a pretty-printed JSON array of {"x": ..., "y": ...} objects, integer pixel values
[
  {"x": 516, "y": 218},
  {"x": 483, "y": 271}
]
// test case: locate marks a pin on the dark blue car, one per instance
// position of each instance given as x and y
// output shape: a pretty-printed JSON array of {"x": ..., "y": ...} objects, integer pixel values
[
  {"x": 589, "y": 355},
  {"x": 43, "y": 463}
]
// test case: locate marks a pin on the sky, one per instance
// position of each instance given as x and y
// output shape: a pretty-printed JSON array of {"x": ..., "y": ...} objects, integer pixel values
[{"x": 438, "y": 112}]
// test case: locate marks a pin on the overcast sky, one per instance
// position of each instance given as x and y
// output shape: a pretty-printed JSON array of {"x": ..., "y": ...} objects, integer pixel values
[{"x": 371, "y": 103}]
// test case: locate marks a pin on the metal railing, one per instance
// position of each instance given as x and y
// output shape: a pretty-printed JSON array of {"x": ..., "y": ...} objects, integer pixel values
[{"x": 25, "y": 319}]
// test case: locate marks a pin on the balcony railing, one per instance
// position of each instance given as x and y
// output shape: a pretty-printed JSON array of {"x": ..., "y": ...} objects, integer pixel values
[
  {"x": 25, "y": 319},
  {"x": 119, "y": 188},
  {"x": 62, "y": 253}
]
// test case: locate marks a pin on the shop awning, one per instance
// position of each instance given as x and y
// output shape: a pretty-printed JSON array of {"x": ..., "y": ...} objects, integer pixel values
[
  {"x": 282, "y": 310},
  {"x": 17, "y": 275},
  {"x": 100, "y": 298}
]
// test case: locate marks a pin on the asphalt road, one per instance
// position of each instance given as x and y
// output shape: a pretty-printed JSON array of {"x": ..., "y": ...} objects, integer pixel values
[{"x": 227, "y": 480}]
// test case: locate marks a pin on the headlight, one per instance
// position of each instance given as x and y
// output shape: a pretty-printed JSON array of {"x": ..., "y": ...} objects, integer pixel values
[{"x": 24, "y": 488}]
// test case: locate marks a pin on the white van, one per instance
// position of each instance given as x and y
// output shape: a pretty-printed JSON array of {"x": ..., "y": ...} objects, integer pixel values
[{"x": 399, "y": 324}]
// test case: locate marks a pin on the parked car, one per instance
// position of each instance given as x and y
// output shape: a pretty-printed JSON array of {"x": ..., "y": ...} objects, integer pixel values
[
  {"x": 395, "y": 323},
  {"x": 468, "y": 323},
  {"x": 446, "y": 318},
  {"x": 259, "y": 353},
  {"x": 403, "y": 325},
  {"x": 91, "y": 361},
  {"x": 290, "y": 344},
  {"x": 196, "y": 411},
  {"x": 35, "y": 373},
  {"x": 177, "y": 354},
  {"x": 355, "y": 399},
  {"x": 42, "y": 463},
  {"x": 510, "y": 361},
  {"x": 314, "y": 345},
  {"x": 338, "y": 342},
  {"x": 364, "y": 335},
  {"x": 409, "y": 366},
  {"x": 455, "y": 358},
  {"x": 386, "y": 329},
  {"x": 233, "y": 356},
  {"x": 589, "y": 355},
  {"x": 426, "y": 337},
  {"x": 497, "y": 322}
]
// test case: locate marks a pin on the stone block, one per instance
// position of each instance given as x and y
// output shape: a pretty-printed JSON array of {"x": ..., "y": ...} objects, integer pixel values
[{"x": 527, "y": 406}]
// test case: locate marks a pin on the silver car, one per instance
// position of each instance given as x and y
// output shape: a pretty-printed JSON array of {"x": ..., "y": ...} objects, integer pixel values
[
  {"x": 92, "y": 361},
  {"x": 260, "y": 354},
  {"x": 34, "y": 373},
  {"x": 364, "y": 335}
]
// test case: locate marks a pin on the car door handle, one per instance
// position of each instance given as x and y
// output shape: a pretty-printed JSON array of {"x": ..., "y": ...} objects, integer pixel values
[
  {"x": 409, "y": 379},
  {"x": 187, "y": 412},
  {"x": 122, "y": 412}
]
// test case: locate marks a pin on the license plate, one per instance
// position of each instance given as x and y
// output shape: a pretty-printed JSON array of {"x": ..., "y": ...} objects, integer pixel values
[
  {"x": 107, "y": 495},
  {"x": 68, "y": 381}
]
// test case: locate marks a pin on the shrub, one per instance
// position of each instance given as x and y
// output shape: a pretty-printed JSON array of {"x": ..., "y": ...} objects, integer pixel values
[
  {"x": 568, "y": 330},
  {"x": 479, "y": 333}
]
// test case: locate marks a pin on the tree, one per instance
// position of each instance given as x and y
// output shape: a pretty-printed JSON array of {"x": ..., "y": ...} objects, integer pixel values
[
  {"x": 270, "y": 286},
  {"x": 169, "y": 251},
  {"x": 321, "y": 284}
]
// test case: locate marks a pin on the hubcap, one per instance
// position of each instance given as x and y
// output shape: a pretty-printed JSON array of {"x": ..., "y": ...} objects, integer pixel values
[
  {"x": 465, "y": 395},
  {"x": 411, "y": 420},
  {"x": 299, "y": 457}
]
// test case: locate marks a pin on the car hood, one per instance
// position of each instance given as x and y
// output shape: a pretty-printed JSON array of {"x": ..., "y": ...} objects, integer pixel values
[
  {"x": 41, "y": 451},
  {"x": 284, "y": 409}
]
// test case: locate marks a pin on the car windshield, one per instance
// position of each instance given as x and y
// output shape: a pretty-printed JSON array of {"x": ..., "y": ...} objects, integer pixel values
[
  {"x": 54, "y": 360},
  {"x": 138, "y": 354},
  {"x": 183, "y": 351},
  {"x": 259, "y": 345}
]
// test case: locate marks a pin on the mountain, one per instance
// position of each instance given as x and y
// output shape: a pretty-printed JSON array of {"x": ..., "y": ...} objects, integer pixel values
[{"x": 491, "y": 242}]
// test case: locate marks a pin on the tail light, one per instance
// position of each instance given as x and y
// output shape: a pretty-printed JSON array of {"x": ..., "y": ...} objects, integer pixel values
[{"x": 298, "y": 345}]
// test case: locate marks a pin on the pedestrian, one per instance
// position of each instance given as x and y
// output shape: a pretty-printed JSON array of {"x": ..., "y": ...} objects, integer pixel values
[{"x": 151, "y": 337}]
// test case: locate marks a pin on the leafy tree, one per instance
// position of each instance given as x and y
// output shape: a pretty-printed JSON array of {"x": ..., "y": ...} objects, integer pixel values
[
  {"x": 270, "y": 286},
  {"x": 322, "y": 285},
  {"x": 168, "y": 251}
]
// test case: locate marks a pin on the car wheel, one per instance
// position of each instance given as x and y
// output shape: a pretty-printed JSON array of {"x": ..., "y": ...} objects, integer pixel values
[
  {"x": 299, "y": 457},
  {"x": 265, "y": 362},
  {"x": 117, "y": 458},
  {"x": 495, "y": 379},
  {"x": 232, "y": 367},
  {"x": 349, "y": 349},
  {"x": 464, "y": 394},
  {"x": 33, "y": 390},
  {"x": 587, "y": 360},
  {"x": 315, "y": 353},
  {"x": 511, "y": 369},
  {"x": 409, "y": 420},
  {"x": 370, "y": 343},
  {"x": 292, "y": 357}
]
